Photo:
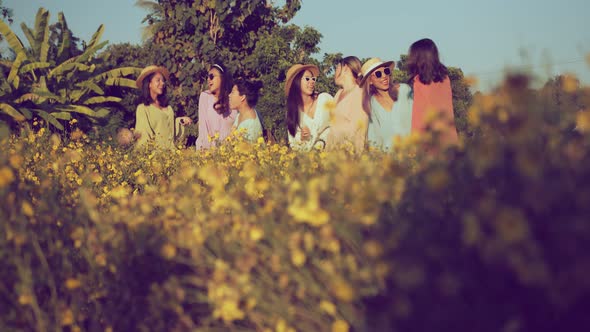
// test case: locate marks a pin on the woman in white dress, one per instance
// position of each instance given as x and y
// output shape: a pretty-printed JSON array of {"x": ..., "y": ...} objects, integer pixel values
[{"x": 307, "y": 112}]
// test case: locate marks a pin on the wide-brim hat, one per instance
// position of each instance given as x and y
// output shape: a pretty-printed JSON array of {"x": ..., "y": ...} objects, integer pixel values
[
  {"x": 369, "y": 67},
  {"x": 296, "y": 69},
  {"x": 150, "y": 70}
]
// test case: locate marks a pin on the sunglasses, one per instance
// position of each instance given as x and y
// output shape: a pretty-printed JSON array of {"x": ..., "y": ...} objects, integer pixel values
[
  {"x": 310, "y": 78},
  {"x": 211, "y": 76},
  {"x": 379, "y": 73}
]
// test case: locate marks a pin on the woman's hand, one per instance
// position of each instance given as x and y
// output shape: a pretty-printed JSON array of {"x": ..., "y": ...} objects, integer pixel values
[
  {"x": 185, "y": 120},
  {"x": 305, "y": 134}
]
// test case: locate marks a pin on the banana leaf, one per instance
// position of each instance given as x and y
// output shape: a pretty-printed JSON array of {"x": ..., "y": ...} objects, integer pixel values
[
  {"x": 50, "y": 119},
  {"x": 90, "y": 51},
  {"x": 43, "y": 36},
  {"x": 62, "y": 115},
  {"x": 7, "y": 109},
  {"x": 101, "y": 99},
  {"x": 13, "y": 76},
  {"x": 11, "y": 38},
  {"x": 96, "y": 36},
  {"x": 91, "y": 86},
  {"x": 80, "y": 109},
  {"x": 125, "y": 82},
  {"x": 117, "y": 72},
  {"x": 34, "y": 65},
  {"x": 66, "y": 38},
  {"x": 64, "y": 67}
]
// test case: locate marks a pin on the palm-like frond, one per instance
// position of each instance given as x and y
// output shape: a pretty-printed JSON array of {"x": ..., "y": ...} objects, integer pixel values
[
  {"x": 7, "y": 109},
  {"x": 13, "y": 75},
  {"x": 66, "y": 40},
  {"x": 11, "y": 38}
]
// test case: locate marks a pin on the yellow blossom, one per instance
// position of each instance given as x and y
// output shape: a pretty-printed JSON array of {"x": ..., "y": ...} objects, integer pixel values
[
  {"x": 27, "y": 209},
  {"x": 168, "y": 251},
  {"x": 583, "y": 121},
  {"x": 6, "y": 176},
  {"x": 72, "y": 283},
  {"x": 256, "y": 234},
  {"x": 342, "y": 289},
  {"x": 340, "y": 326},
  {"x": 228, "y": 311},
  {"x": 328, "y": 307},
  {"x": 298, "y": 258},
  {"x": 67, "y": 317}
]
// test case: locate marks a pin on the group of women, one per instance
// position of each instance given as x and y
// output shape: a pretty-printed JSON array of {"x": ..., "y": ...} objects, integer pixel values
[{"x": 367, "y": 111}]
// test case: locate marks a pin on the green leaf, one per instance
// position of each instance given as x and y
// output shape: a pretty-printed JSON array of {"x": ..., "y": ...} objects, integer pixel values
[
  {"x": 90, "y": 51},
  {"x": 28, "y": 97},
  {"x": 79, "y": 109},
  {"x": 33, "y": 66},
  {"x": 42, "y": 30},
  {"x": 29, "y": 35},
  {"x": 50, "y": 119},
  {"x": 65, "y": 67},
  {"x": 13, "y": 41},
  {"x": 7, "y": 109},
  {"x": 102, "y": 112},
  {"x": 45, "y": 94},
  {"x": 66, "y": 40},
  {"x": 26, "y": 112},
  {"x": 67, "y": 116},
  {"x": 123, "y": 82},
  {"x": 118, "y": 72},
  {"x": 89, "y": 84},
  {"x": 96, "y": 37},
  {"x": 13, "y": 76},
  {"x": 101, "y": 99}
]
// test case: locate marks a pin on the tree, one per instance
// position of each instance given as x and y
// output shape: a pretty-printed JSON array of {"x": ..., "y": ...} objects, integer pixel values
[
  {"x": 6, "y": 14},
  {"x": 53, "y": 86},
  {"x": 251, "y": 38}
]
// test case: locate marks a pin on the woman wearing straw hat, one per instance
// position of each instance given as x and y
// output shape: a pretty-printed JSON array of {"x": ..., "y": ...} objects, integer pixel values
[
  {"x": 348, "y": 121},
  {"x": 389, "y": 107},
  {"x": 154, "y": 118},
  {"x": 307, "y": 113},
  {"x": 215, "y": 116}
]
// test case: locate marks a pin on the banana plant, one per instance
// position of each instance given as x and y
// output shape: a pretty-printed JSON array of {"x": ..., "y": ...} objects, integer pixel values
[{"x": 57, "y": 88}]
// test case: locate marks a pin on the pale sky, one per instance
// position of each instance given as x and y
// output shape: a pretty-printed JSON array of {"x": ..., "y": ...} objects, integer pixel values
[{"x": 483, "y": 38}]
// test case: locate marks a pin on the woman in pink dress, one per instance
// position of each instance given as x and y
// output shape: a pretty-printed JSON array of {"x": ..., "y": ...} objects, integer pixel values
[
  {"x": 431, "y": 87},
  {"x": 215, "y": 117}
]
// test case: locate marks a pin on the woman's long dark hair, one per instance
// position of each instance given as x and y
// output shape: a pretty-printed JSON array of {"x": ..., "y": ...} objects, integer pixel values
[
  {"x": 222, "y": 103},
  {"x": 423, "y": 60},
  {"x": 294, "y": 103},
  {"x": 146, "y": 97}
]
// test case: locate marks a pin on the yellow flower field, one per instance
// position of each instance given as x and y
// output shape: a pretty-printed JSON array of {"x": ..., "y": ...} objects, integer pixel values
[{"x": 100, "y": 237}]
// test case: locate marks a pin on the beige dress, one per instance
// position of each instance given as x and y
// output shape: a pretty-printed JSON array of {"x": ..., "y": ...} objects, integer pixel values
[{"x": 349, "y": 122}]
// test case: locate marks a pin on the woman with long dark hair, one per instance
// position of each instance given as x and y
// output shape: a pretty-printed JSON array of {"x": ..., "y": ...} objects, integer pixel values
[
  {"x": 215, "y": 116},
  {"x": 307, "y": 112},
  {"x": 431, "y": 86},
  {"x": 154, "y": 118},
  {"x": 388, "y": 106}
]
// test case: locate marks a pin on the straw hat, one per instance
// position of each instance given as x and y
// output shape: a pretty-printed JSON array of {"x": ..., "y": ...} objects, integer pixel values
[
  {"x": 369, "y": 67},
  {"x": 296, "y": 69},
  {"x": 149, "y": 70}
]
